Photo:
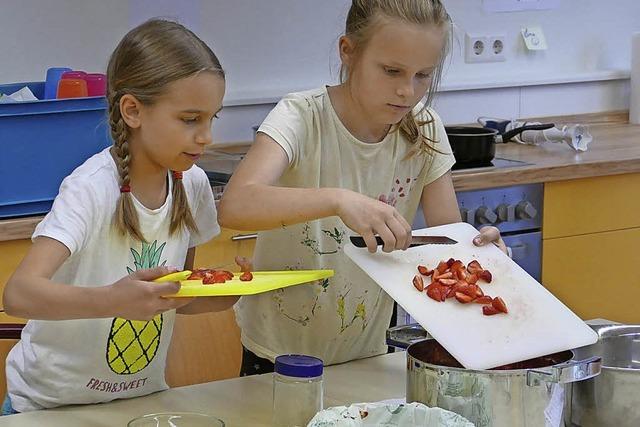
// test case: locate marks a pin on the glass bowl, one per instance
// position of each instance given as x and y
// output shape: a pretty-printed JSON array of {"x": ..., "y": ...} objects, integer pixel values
[{"x": 176, "y": 419}]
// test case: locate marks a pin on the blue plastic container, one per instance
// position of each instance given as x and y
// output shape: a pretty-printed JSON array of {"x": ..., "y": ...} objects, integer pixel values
[{"x": 41, "y": 142}]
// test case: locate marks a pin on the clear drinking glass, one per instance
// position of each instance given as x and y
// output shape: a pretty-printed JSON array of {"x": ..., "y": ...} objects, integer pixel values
[{"x": 176, "y": 419}]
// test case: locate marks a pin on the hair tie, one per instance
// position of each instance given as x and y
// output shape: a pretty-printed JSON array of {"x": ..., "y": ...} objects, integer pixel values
[
  {"x": 125, "y": 189},
  {"x": 176, "y": 174}
]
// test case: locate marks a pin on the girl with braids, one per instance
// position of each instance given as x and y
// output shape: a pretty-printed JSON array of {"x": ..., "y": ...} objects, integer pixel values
[
  {"x": 357, "y": 157},
  {"x": 101, "y": 328}
]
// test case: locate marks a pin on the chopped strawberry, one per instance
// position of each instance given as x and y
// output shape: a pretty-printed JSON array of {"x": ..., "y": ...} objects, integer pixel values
[
  {"x": 442, "y": 267},
  {"x": 246, "y": 276},
  {"x": 447, "y": 282},
  {"x": 424, "y": 270},
  {"x": 433, "y": 292},
  {"x": 485, "y": 275},
  {"x": 472, "y": 279},
  {"x": 463, "y": 298},
  {"x": 418, "y": 283},
  {"x": 456, "y": 265},
  {"x": 462, "y": 274},
  {"x": 499, "y": 304},
  {"x": 474, "y": 267},
  {"x": 450, "y": 262},
  {"x": 485, "y": 299},
  {"x": 447, "y": 275},
  {"x": 489, "y": 310}
]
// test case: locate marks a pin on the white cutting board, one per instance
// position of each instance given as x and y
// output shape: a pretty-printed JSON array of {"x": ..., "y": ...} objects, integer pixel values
[{"x": 537, "y": 323}]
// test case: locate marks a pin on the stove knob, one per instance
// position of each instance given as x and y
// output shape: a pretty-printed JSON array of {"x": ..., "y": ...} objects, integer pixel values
[
  {"x": 467, "y": 215},
  {"x": 484, "y": 215},
  {"x": 526, "y": 210},
  {"x": 506, "y": 212}
]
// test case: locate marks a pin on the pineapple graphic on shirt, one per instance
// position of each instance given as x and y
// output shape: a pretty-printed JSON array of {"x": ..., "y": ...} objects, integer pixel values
[{"x": 133, "y": 344}]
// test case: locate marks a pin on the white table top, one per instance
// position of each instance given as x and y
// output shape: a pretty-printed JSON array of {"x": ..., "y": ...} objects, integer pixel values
[{"x": 238, "y": 402}]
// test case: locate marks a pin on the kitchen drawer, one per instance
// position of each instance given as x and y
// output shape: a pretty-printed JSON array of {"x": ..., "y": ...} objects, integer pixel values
[
  {"x": 591, "y": 205},
  {"x": 596, "y": 275}
]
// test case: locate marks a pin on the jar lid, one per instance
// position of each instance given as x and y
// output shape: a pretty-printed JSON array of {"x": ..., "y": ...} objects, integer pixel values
[{"x": 298, "y": 365}]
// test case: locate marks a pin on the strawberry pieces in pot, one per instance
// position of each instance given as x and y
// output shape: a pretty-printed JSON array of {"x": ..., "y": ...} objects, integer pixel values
[{"x": 451, "y": 279}]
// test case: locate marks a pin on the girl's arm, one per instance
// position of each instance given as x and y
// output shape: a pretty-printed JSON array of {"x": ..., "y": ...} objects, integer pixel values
[
  {"x": 30, "y": 293},
  {"x": 440, "y": 206},
  {"x": 439, "y": 203},
  {"x": 204, "y": 304},
  {"x": 251, "y": 201}
]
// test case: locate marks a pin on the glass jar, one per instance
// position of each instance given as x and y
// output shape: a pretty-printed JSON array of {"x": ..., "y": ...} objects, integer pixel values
[{"x": 297, "y": 390}]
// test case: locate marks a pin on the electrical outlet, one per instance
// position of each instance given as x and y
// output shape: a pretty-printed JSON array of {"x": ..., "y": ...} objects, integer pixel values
[
  {"x": 484, "y": 48},
  {"x": 497, "y": 46},
  {"x": 475, "y": 48}
]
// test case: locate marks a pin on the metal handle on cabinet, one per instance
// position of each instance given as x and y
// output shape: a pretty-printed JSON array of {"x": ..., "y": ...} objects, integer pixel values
[
  {"x": 240, "y": 237},
  {"x": 518, "y": 251}
]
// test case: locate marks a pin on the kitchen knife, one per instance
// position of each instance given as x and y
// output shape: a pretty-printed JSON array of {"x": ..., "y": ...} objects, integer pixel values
[{"x": 359, "y": 242}]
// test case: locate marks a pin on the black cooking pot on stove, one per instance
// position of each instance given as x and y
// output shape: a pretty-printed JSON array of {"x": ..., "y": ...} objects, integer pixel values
[{"x": 475, "y": 146}]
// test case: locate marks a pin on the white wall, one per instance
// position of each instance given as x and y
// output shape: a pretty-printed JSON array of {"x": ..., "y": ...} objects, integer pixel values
[{"x": 272, "y": 47}]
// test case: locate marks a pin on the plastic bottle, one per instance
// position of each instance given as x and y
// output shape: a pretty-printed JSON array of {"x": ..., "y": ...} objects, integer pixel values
[{"x": 297, "y": 390}]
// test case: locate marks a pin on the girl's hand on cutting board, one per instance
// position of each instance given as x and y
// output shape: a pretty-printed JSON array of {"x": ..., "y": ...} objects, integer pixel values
[
  {"x": 368, "y": 217},
  {"x": 489, "y": 234},
  {"x": 136, "y": 297}
]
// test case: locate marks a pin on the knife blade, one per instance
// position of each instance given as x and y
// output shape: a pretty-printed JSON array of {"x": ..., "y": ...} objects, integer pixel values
[{"x": 359, "y": 242}]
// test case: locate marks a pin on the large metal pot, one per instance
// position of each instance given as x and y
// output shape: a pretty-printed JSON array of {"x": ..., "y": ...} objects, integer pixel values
[
  {"x": 612, "y": 398},
  {"x": 525, "y": 394}
]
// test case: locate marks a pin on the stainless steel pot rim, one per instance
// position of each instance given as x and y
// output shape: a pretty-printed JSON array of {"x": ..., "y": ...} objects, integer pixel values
[{"x": 504, "y": 372}]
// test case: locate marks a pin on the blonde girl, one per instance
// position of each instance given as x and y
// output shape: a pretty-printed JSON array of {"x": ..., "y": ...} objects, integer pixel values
[
  {"x": 100, "y": 328},
  {"x": 358, "y": 157}
]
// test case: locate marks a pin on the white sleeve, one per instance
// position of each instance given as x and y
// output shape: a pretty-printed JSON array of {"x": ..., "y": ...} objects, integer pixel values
[
  {"x": 73, "y": 215},
  {"x": 203, "y": 209},
  {"x": 287, "y": 124},
  {"x": 442, "y": 158}
]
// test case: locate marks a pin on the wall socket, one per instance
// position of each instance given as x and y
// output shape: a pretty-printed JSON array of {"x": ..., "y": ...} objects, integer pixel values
[{"x": 484, "y": 47}]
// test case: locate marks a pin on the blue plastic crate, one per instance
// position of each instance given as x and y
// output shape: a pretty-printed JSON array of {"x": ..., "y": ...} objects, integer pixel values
[{"x": 41, "y": 142}]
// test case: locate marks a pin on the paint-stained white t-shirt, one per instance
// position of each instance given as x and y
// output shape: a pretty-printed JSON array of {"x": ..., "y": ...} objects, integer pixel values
[{"x": 344, "y": 317}]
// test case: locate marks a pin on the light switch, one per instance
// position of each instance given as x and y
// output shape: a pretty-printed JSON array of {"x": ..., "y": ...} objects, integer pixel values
[{"x": 534, "y": 38}]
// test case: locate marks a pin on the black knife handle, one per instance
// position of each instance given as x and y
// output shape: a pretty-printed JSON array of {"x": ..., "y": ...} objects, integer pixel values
[{"x": 359, "y": 242}]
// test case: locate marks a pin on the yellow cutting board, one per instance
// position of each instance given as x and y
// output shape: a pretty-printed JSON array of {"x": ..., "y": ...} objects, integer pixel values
[{"x": 263, "y": 281}]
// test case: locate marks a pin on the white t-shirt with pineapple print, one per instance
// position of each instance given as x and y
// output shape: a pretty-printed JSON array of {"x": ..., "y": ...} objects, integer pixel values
[
  {"x": 98, "y": 360},
  {"x": 344, "y": 317}
]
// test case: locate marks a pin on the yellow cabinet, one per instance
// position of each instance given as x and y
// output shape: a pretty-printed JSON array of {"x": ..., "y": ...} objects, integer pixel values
[
  {"x": 591, "y": 232},
  {"x": 11, "y": 253}
]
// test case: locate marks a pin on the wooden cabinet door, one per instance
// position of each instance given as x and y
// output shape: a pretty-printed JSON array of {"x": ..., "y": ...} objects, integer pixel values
[
  {"x": 591, "y": 205},
  {"x": 596, "y": 275},
  {"x": 206, "y": 347},
  {"x": 11, "y": 254}
]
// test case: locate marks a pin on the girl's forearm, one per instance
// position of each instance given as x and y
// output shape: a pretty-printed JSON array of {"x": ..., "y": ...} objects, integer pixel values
[
  {"x": 262, "y": 207},
  {"x": 42, "y": 299}
]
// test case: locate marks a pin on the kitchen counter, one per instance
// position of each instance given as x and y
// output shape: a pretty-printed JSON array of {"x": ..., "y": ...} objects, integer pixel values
[
  {"x": 241, "y": 402},
  {"x": 614, "y": 150}
]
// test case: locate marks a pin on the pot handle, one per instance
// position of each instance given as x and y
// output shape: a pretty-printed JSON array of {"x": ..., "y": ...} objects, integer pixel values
[
  {"x": 513, "y": 132},
  {"x": 404, "y": 335},
  {"x": 568, "y": 372}
]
